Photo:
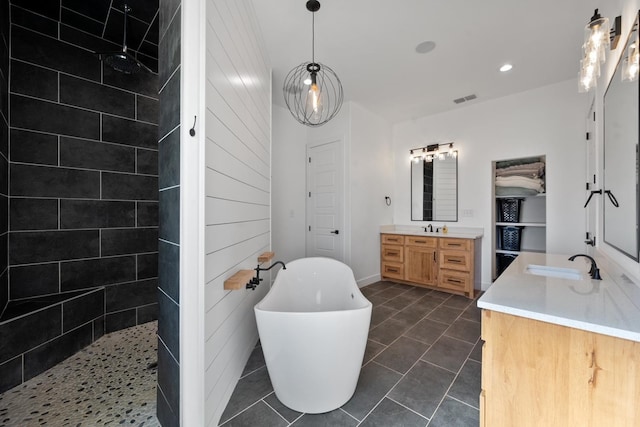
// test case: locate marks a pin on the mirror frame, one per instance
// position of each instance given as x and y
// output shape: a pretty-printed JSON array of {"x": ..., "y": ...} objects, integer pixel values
[{"x": 606, "y": 201}]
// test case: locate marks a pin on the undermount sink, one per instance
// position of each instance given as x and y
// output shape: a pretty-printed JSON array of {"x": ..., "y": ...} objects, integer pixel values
[{"x": 557, "y": 272}]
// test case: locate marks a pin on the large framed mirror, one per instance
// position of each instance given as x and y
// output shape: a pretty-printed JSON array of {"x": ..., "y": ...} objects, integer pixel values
[
  {"x": 621, "y": 132},
  {"x": 434, "y": 187}
]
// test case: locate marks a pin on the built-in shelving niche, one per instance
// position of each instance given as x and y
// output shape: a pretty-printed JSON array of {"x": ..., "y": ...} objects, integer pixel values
[{"x": 532, "y": 217}]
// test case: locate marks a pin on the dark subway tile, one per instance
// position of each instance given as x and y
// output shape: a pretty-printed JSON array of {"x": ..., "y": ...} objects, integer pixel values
[
  {"x": 33, "y": 147},
  {"x": 96, "y": 214},
  {"x": 42, "y": 246},
  {"x": 169, "y": 324},
  {"x": 129, "y": 132},
  {"x": 27, "y": 79},
  {"x": 76, "y": 20},
  {"x": 120, "y": 320},
  {"x": 147, "y": 161},
  {"x": 50, "y": 354},
  {"x": 148, "y": 49},
  {"x": 169, "y": 116},
  {"x": 147, "y": 266},
  {"x": 86, "y": 40},
  {"x": 50, "y": 9},
  {"x": 97, "y": 9},
  {"x": 4, "y": 176},
  {"x": 148, "y": 313},
  {"x": 34, "y": 280},
  {"x": 42, "y": 50},
  {"x": 4, "y": 210},
  {"x": 143, "y": 83},
  {"x": 130, "y": 295},
  {"x": 115, "y": 23},
  {"x": 147, "y": 109},
  {"x": 169, "y": 50},
  {"x": 88, "y": 154},
  {"x": 166, "y": 13},
  {"x": 4, "y": 137},
  {"x": 82, "y": 309},
  {"x": 98, "y": 328},
  {"x": 152, "y": 35},
  {"x": 4, "y": 250},
  {"x": 33, "y": 21},
  {"x": 42, "y": 326},
  {"x": 96, "y": 272},
  {"x": 129, "y": 241},
  {"x": 169, "y": 384},
  {"x": 147, "y": 214},
  {"x": 169, "y": 215},
  {"x": 4, "y": 288},
  {"x": 41, "y": 181},
  {"x": 129, "y": 187},
  {"x": 94, "y": 96},
  {"x": 169, "y": 160},
  {"x": 143, "y": 10},
  {"x": 169, "y": 269},
  {"x": 44, "y": 116},
  {"x": 10, "y": 374},
  {"x": 33, "y": 214}
]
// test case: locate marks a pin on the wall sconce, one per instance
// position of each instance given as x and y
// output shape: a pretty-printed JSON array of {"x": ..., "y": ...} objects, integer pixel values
[
  {"x": 433, "y": 151},
  {"x": 594, "y": 48},
  {"x": 631, "y": 64}
]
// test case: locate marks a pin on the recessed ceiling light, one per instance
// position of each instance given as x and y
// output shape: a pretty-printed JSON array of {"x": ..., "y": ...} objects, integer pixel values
[
  {"x": 425, "y": 47},
  {"x": 506, "y": 67}
]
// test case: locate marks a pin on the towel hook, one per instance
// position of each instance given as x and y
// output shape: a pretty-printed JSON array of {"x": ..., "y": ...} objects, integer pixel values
[{"x": 192, "y": 131}]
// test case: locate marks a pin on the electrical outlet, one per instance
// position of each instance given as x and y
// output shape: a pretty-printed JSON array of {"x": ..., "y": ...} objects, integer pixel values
[{"x": 467, "y": 213}]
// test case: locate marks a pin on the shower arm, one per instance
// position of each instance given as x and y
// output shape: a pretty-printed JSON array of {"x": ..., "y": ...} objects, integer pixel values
[{"x": 127, "y": 9}]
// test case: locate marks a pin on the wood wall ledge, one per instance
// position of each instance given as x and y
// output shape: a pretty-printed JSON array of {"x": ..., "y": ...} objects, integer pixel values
[
  {"x": 266, "y": 256},
  {"x": 239, "y": 280}
]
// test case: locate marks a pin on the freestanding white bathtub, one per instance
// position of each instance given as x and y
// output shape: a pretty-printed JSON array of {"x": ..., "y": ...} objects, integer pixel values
[{"x": 313, "y": 327}]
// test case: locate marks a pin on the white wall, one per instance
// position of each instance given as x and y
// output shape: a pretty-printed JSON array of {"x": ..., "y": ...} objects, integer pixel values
[
  {"x": 549, "y": 120},
  {"x": 368, "y": 178},
  {"x": 371, "y": 180},
  {"x": 237, "y": 190}
]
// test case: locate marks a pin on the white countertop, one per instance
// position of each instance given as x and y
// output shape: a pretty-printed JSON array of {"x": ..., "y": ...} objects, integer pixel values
[
  {"x": 599, "y": 306},
  {"x": 454, "y": 232}
]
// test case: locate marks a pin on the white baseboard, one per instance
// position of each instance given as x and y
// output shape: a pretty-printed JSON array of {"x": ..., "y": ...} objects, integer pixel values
[{"x": 368, "y": 280}]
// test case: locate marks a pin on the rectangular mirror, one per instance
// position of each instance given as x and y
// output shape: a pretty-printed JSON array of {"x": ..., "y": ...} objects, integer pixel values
[
  {"x": 434, "y": 189},
  {"x": 620, "y": 186}
]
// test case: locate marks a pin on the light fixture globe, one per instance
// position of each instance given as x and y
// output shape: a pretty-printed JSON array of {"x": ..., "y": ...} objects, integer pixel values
[{"x": 313, "y": 93}]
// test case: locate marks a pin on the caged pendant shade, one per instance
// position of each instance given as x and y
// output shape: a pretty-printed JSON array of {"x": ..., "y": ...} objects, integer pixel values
[{"x": 312, "y": 90}]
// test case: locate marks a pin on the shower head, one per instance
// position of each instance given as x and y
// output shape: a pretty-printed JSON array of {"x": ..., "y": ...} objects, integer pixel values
[{"x": 121, "y": 60}]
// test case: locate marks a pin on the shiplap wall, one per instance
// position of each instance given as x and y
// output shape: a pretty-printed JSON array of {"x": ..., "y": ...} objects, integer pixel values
[
  {"x": 237, "y": 189},
  {"x": 445, "y": 188}
]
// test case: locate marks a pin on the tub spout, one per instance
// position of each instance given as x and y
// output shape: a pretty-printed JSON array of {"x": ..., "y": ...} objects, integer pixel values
[{"x": 255, "y": 281}]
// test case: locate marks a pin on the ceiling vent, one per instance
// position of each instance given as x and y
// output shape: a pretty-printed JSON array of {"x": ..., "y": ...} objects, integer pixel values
[{"x": 465, "y": 98}]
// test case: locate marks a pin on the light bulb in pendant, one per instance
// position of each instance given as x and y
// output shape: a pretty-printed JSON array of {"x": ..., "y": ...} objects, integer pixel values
[{"x": 314, "y": 98}]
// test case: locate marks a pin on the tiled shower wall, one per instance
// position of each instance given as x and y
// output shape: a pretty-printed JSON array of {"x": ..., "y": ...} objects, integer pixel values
[
  {"x": 4, "y": 150},
  {"x": 83, "y": 205},
  {"x": 169, "y": 242}
]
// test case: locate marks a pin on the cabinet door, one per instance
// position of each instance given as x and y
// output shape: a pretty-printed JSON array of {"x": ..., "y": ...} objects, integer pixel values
[{"x": 420, "y": 265}]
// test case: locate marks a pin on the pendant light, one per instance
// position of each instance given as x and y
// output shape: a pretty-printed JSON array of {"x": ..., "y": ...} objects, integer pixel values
[{"x": 312, "y": 90}]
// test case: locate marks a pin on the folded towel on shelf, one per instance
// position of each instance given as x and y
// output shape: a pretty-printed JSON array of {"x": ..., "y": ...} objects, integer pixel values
[
  {"x": 515, "y": 191},
  {"x": 520, "y": 181},
  {"x": 530, "y": 170}
]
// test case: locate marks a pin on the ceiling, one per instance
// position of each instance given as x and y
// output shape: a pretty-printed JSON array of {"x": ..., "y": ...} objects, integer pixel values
[
  {"x": 104, "y": 19},
  {"x": 371, "y": 46}
]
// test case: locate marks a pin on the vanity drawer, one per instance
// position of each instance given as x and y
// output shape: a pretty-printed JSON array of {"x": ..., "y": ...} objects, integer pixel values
[
  {"x": 393, "y": 270},
  {"x": 457, "y": 244},
  {"x": 392, "y": 253},
  {"x": 427, "y": 242},
  {"x": 393, "y": 238},
  {"x": 455, "y": 280},
  {"x": 455, "y": 260}
]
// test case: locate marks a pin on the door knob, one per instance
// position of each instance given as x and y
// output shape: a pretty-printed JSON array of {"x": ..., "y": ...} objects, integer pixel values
[{"x": 335, "y": 232}]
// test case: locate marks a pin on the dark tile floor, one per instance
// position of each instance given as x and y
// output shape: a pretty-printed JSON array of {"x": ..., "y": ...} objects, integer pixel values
[{"x": 421, "y": 368}]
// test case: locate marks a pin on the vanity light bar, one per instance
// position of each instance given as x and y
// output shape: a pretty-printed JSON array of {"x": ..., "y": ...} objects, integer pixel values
[{"x": 432, "y": 151}]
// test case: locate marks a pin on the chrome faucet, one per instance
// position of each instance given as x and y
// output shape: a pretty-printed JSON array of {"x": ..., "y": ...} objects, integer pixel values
[
  {"x": 594, "y": 271},
  {"x": 255, "y": 281}
]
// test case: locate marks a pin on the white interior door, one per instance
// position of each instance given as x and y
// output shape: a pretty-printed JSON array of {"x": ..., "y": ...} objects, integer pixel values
[{"x": 325, "y": 200}]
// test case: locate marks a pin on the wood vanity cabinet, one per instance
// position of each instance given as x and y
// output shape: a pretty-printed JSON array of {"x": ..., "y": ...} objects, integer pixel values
[
  {"x": 436, "y": 262},
  {"x": 537, "y": 373}
]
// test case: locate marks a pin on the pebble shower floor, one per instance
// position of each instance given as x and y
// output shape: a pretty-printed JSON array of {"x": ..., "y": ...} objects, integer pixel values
[{"x": 105, "y": 384}]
